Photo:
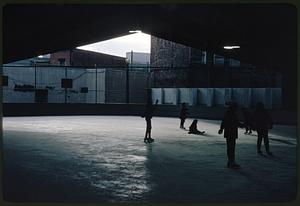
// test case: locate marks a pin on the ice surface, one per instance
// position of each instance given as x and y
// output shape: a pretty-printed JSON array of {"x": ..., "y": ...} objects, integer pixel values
[{"x": 104, "y": 159}]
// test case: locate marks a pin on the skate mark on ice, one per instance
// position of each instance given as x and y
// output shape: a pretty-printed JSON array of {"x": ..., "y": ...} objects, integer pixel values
[{"x": 283, "y": 141}]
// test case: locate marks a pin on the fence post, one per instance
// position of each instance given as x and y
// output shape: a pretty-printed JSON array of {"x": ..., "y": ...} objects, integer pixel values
[
  {"x": 66, "y": 87},
  {"x": 34, "y": 76},
  {"x": 96, "y": 85}
]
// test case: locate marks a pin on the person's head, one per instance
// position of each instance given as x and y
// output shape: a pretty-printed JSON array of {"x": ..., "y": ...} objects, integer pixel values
[
  {"x": 195, "y": 121},
  {"x": 183, "y": 104}
]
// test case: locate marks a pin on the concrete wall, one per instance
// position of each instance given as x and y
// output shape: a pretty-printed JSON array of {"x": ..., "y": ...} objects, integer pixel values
[
  {"x": 201, "y": 112},
  {"x": 138, "y": 58},
  {"x": 188, "y": 95},
  {"x": 171, "y": 96},
  {"x": 111, "y": 85},
  {"x": 18, "y": 78},
  {"x": 79, "y": 57},
  {"x": 115, "y": 86},
  {"x": 138, "y": 84},
  {"x": 91, "y": 84},
  {"x": 209, "y": 97},
  {"x": 165, "y": 53},
  {"x": 46, "y": 78},
  {"x": 158, "y": 94}
]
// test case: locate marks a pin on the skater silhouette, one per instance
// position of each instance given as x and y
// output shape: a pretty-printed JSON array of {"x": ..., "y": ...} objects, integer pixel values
[
  {"x": 230, "y": 124},
  {"x": 148, "y": 116},
  {"x": 193, "y": 128},
  {"x": 247, "y": 120},
  {"x": 262, "y": 123},
  {"x": 183, "y": 115}
]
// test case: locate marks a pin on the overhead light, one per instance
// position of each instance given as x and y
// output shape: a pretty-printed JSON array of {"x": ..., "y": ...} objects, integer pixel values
[
  {"x": 231, "y": 47},
  {"x": 135, "y": 31}
]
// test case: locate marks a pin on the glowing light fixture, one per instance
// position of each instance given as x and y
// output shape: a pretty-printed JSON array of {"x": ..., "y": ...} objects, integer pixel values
[
  {"x": 231, "y": 47},
  {"x": 135, "y": 31}
]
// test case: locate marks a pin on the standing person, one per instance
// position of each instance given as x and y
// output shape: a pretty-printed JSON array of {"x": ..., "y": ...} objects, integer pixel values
[
  {"x": 230, "y": 124},
  {"x": 183, "y": 115},
  {"x": 262, "y": 123},
  {"x": 148, "y": 116},
  {"x": 193, "y": 128},
  {"x": 247, "y": 120}
]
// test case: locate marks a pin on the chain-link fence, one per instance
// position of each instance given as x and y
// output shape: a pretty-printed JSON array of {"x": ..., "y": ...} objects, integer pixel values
[
  {"x": 65, "y": 84},
  {"x": 53, "y": 84}
]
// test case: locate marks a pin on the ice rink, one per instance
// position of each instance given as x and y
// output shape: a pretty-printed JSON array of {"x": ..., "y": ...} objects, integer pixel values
[{"x": 104, "y": 159}]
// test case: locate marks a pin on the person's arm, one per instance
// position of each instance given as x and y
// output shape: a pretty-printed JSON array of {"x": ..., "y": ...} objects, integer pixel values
[
  {"x": 156, "y": 102},
  {"x": 241, "y": 125},
  {"x": 153, "y": 107}
]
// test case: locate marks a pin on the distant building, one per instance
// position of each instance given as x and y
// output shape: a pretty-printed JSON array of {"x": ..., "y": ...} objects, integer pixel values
[
  {"x": 138, "y": 59},
  {"x": 40, "y": 79},
  {"x": 197, "y": 68},
  {"x": 186, "y": 74},
  {"x": 39, "y": 60},
  {"x": 79, "y": 57}
]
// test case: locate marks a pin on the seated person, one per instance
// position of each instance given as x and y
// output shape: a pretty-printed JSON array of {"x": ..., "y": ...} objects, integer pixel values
[{"x": 193, "y": 128}]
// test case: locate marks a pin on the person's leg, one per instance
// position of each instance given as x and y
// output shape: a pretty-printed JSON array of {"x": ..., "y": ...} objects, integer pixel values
[
  {"x": 266, "y": 142},
  {"x": 230, "y": 152},
  {"x": 247, "y": 128},
  {"x": 148, "y": 127},
  {"x": 181, "y": 123},
  {"x": 233, "y": 154},
  {"x": 146, "y": 134},
  {"x": 259, "y": 139}
]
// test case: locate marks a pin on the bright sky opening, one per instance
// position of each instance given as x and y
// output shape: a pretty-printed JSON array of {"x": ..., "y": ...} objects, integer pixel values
[{"x": 137, "y": 42}]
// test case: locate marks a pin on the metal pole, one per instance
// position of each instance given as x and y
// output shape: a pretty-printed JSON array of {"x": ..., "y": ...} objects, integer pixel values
[
  {"x": 35, "y": 82},
  {"x": 65, "y": 87},
  {"x": 148, "y": 84},
  {"x": 34, "y": 76},
  {"x": 96, "y": 90},
  {"x": 127, "y": 78},
  {"x": 127, "y": 85}
]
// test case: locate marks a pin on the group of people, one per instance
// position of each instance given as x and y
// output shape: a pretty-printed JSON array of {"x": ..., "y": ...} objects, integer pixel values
[
  {"x": 183, "y": 115},
  {"x": 259, "y": 120}
]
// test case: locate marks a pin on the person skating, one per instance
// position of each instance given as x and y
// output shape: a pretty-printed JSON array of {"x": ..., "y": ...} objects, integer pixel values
[
  {"x": 262, "y": 123},
  {"x": 183, "y": 115},
  {"x": 193, "y": 128},
  {"x": 148, "y": 116},
  {"x": 230, "y": 124}
]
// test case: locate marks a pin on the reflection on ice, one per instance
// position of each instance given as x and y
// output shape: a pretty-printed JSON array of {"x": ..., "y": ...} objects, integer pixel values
[{"x": 104, "y": 159}]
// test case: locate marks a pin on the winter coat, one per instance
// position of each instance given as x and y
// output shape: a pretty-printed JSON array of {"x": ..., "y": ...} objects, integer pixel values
[
  {"x": 262, "y": 120},
  {"x": 183, "y": 113},
  {"x": 230, "y": 125}
]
